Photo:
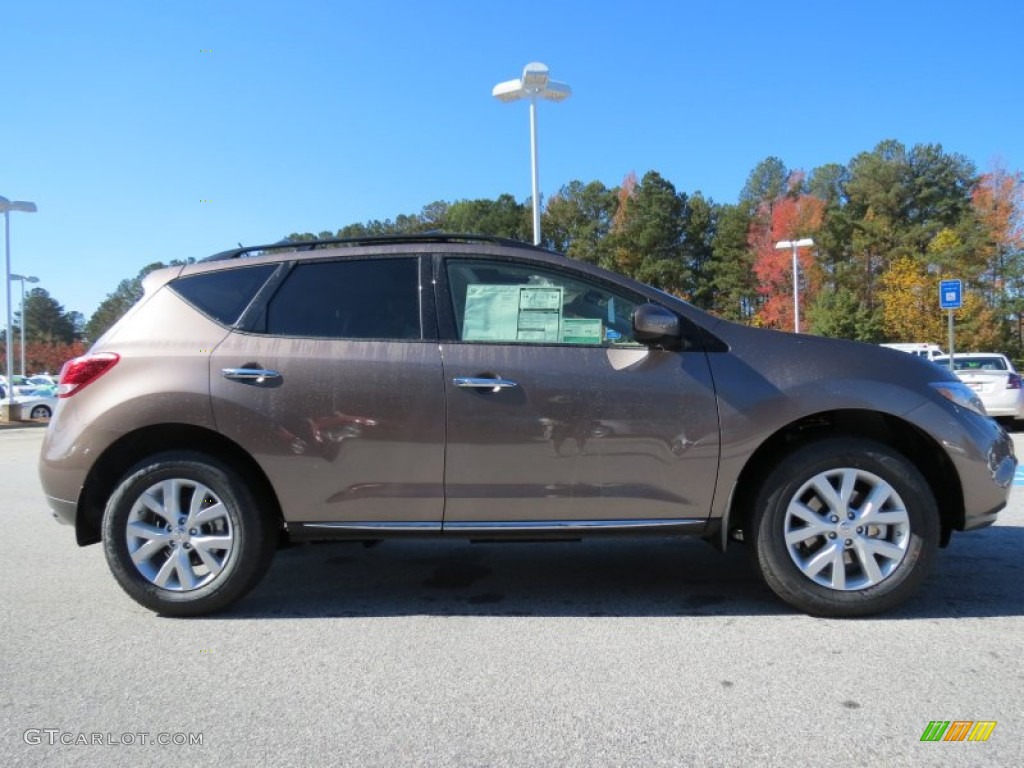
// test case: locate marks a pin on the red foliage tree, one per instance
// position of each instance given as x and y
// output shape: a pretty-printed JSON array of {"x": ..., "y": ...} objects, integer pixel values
[
  {"x": 789, "y": 217},
  {"x": 42, "y": 356}
]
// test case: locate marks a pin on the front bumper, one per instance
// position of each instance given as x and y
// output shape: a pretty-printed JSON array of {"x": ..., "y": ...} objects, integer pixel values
[{"x": 986, "y": 486}]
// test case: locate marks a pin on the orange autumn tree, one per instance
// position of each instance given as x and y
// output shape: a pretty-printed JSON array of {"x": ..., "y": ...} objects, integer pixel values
[
  {"x": 624, "y": 260},
  {"x": 789, "y": 217},
  {"x": 998, "y": 202}
]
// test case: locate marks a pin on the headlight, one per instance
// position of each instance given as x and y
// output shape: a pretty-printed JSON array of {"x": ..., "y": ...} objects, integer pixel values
[{"x": 959, "y": 393}]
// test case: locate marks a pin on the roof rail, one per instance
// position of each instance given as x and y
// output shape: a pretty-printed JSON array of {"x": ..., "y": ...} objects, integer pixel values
[{"x": 423, "y": 237}]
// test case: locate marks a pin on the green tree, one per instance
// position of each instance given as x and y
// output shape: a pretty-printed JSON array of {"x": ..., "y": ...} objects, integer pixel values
[
  {"x": 578, "y": 219},
  {"x": 767, "y": 182},
  {"x": 839, "y": 314},
  {"x": 700, "y": 220},
  {"x": 434, "y": 215},
  {"x": 827, "y": 183},
  {"x": 832, "y": 244},
  {"x": 647, "y": 237},
  {"x": 503, "y": 217},
  {"x": 939, "y": 192},
  {"x": 731, "y": 268},
  {"x": 876, "y": 194},
  {"x": 46, "y": 320},
  {"x": 897, "y": 203},
  {"x": 77, "y": 320},
  {"x": 902, "y": 199}
]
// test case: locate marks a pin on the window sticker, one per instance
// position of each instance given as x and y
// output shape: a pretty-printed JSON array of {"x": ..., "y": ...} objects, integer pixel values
[
  {"x": 492, "y": 313},
  {"x": 579, "y": 330},
  {"x": 512, "y": 313},
  {"x": 540, "y": 313}
]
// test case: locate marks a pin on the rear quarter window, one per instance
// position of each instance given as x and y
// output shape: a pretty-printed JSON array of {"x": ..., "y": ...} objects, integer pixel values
[{"x": 223, "y": 295}]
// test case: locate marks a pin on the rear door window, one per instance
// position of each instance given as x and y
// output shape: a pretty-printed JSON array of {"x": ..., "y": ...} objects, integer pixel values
[{"x": 352, "y": 299}]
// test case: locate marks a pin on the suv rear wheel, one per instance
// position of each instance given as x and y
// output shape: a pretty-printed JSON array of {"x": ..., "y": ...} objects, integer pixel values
[
  {"x": 183, "y": 535},
  {"x": 845, "y": 527}
]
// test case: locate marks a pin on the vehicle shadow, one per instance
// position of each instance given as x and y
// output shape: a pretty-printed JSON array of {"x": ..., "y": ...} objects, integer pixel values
[{"x": 977, "y": 576}]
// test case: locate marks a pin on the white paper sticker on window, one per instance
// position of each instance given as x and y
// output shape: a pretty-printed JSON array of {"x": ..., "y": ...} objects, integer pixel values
[{"x": 512, "y": 313}]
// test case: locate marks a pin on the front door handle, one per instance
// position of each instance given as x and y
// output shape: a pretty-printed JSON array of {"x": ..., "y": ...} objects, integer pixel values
[
  {"x": 251, "y": 375},
  {"x": 477, "y": 382}
]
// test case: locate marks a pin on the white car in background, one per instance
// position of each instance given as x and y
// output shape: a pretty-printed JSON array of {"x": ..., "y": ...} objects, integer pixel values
[
  {"x": 992, "y": 376},
  {"x": 918, "y": 348},
  {"x": 37, "y": 403}
]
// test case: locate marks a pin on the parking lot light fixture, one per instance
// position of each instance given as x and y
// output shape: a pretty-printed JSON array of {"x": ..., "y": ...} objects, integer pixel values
[
  {"x": 23, "y": 280},
  {"x": 796, "y": 245},
  {"x": 534, "y": 84},
  {"x": 6, "y": 206}
]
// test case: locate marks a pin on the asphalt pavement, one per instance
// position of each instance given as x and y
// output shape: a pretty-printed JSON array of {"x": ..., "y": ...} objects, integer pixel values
[{"x": 649, "y": 652}]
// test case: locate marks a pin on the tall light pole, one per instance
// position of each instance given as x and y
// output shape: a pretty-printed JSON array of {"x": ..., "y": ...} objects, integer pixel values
[
  {"x": 796, "y": 245},
  {"x": 6, "y": 206},
  {"x": 533, "y": 85},
  {"x": 23, "y": 280}
]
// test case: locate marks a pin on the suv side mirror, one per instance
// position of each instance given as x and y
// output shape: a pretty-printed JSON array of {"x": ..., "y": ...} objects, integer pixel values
[{"x": 651, "y": 322}]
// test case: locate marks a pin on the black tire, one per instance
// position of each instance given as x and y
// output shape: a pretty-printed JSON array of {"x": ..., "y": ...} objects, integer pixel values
[
  {"x": 40, "y": 412},
  {"x": 218, "y": 548},
  {"x": 834, "y": 564}
]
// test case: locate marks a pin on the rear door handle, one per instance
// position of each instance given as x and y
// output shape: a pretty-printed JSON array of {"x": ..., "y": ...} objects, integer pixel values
[
  {"x": 476, "y": 382},
  {"x": 251, "y": 375}
]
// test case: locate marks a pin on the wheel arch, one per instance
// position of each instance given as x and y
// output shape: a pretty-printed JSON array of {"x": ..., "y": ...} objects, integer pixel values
[
  {"x": 916, "y": 446},
  {"x": 129, "y": 449}
]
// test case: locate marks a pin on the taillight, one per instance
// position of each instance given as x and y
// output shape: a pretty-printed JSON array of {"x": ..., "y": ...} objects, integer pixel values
[
  {"x": 1013, "y": 382},
  {"x": 84, "y": 370}
]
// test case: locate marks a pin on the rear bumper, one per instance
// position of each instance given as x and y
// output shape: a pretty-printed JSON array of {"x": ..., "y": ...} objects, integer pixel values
[
  {"x": 1006, "y": 404},
  {"x": 1004, "y": 412},
  {"x": 63, "y": 511}
]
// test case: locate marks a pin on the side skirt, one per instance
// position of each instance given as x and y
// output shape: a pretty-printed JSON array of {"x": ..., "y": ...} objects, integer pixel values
[{"x": 497, "y": 531}]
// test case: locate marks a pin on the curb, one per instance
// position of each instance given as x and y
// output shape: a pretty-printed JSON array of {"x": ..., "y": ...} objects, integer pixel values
[{"x": 8, "y": 425}]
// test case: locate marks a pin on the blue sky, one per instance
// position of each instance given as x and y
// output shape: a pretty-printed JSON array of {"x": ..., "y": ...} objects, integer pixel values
[{"x": 148, "y": 131}]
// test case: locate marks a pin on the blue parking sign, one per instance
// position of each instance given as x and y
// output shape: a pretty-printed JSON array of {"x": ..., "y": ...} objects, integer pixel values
[{"x": 951, "y": 294}]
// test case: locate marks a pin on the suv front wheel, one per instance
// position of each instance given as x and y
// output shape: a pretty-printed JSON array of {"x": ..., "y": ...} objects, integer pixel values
[
  {"x": 184, "y": 536},
  {"x": 845, "y": 527}
]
